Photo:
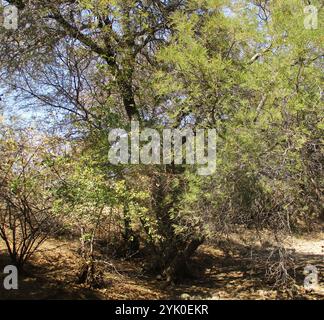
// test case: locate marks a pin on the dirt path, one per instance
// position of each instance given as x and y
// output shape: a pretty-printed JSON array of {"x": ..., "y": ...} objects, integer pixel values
[{"x": 308, "y": 246}]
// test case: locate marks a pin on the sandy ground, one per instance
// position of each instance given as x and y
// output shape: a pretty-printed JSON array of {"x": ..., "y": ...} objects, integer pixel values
[
  {"x": 221, "y": 274},
  {"x": 308, "y": 246}
]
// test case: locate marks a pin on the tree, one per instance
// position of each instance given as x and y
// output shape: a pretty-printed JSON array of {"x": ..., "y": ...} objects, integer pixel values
[
  {"x": 119, "y": 41},
  {"x": 254, "y": 73}
]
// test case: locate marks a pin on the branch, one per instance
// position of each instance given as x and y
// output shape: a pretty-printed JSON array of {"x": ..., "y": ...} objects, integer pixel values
[
  {"x": 259, "y": 55},
  {"x": 75, "y": 33}
]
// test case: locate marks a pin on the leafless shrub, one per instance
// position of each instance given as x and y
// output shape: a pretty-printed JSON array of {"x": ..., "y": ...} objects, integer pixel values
[
  {"x": 280, "y": 268},
  {"x": 26, "y": 219}
]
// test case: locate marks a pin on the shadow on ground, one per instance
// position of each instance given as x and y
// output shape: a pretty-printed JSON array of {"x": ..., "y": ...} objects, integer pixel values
[
  {"x": 37, "y": 282},
  {"x": 230, "y": 272}
]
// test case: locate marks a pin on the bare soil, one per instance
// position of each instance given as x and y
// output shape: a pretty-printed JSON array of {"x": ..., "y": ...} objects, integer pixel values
[{"x": 220, "y": 274}]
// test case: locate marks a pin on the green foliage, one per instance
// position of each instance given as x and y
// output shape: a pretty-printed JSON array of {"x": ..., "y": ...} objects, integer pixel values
[
  {"x": 250, "y": 69},
  {"x": 265, "y": 76}
]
